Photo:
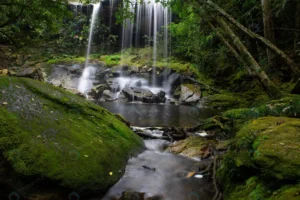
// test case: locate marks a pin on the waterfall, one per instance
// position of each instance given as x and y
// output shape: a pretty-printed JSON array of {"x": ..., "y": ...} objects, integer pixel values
[
  {"x": 151, "y": 19},
  {"x": 111, "y": 9},
  {"x": 85, "y": 82},
  {"x": 76, "y": 7}
]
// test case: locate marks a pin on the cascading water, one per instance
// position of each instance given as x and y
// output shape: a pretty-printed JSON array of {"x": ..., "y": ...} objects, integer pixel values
[
  {"x": 85, "y": 82},
  {"x": 151, "y": 19}
]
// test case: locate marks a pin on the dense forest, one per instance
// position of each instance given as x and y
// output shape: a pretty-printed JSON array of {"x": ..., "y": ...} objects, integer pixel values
[{"x": 134, "y": 100}]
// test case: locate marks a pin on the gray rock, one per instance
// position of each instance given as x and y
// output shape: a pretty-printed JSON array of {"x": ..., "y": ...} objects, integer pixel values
[
  {"x": 31, "y": 72},
  {"x": 189, "y": 94},
  {"x": 134, "y": 69},
  {"x": 97, "y": 90},
  {"x": 107, "y": 95},
  {"x": 113, "y": 84},
  {"x": 143, "y": 95}
]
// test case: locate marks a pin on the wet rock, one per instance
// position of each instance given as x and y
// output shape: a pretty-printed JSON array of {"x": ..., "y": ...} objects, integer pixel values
[
  {"x": 189, "y": 94},
  {"x": 143, "y": 95},
  {"x": 160, "y": 97},
  {"x": 152, "y": 133},
  {"x": 113, "y": 84},
  {"x": 107, "y": 95},
  {"x": 97, "y": 91},
  {"x": 131, "y": 195},
  {"x": 174, "y": 133},
  {"x": 31, "y": 72}
]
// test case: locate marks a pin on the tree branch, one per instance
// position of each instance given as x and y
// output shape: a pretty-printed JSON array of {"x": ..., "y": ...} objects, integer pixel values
[{"x": 292, "y": 65}]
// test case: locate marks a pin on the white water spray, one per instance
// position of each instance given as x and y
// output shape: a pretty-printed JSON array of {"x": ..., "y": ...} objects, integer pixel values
[{"x": 85, "y": 82}]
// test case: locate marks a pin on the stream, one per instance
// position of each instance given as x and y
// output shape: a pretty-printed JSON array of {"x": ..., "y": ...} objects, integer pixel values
[
  {"x": 159, "y": 173},
  {"x": 155, "y": 171}
]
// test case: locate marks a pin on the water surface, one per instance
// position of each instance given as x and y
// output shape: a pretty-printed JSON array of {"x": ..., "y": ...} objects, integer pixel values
[
  {"x": 169, "y": 179},
  {"x": 163, "y": 115}
]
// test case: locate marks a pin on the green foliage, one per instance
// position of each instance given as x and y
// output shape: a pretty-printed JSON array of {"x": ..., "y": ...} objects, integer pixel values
[
  {"x": 46, "y": 131},
  {"x": 24, "y": 21}
]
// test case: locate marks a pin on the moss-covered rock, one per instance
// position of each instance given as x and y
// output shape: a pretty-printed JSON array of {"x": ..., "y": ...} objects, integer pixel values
[
  {"x": 255, "y": 188},
  {"x": 267, "y": 147},
  {"x": 46, "y": 131},
  {"x": 222, "y": 101},
  {"x": 288, "y": 106},
  {"x": 193, "y": 147}
]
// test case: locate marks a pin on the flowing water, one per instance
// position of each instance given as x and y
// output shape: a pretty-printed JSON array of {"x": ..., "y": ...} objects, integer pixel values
[
  {"x": 156, "y": 172},
  {"x": 151, "y": 19},
  {"x": 163, "y": 115},
  {"x": 85, "y": 83}
]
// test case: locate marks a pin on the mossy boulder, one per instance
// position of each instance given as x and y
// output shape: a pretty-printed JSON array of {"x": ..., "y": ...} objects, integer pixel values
[
  {"x": 267, "y": 147},
  {"x": 255, "y": 188},
  {"x": 48, "y": 132},
  {"x": 222, "y": 101},
  {"x": 193, "y": 147},
  {"x": 288, "y": 106}
]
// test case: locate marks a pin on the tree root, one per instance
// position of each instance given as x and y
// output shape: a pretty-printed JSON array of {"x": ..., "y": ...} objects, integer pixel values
[{"x": 218, "y": 194}]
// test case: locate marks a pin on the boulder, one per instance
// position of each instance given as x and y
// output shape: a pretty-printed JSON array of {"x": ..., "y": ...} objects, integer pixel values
[
  {"x": 31, "y": 72},
  {"x": 107, "y": 95},
  {"x": 120, "y": 70},
  {"x": 113, "y": 84},
  {"x": 193, "y": 147},
  {"x": 143, "y": 95},
  {"x": 266, "y": 147},
  {"x": 189, "y": 94},
  {"x": 48, "y": 133},
  {"x": 4, "y": 72},
  {"x": 135, "y": 69},
  {"x": 97, "y": 90}
]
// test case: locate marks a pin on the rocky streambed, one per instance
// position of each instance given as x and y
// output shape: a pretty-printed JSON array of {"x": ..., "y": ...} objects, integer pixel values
[{"x": 124, "y": 83}]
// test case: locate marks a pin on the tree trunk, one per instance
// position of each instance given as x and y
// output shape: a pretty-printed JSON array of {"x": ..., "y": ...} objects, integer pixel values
[
  {"x": 232, "y": 49},
  {"x": 292, "y": 65},
  {"x": 263, "y": 78},
  {"x": 297, "y": 26},
  {"x": 268, "y": 29}
]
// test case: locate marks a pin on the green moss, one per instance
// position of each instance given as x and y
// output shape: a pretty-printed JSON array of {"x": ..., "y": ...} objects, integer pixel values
[
  {"x": 224, "y": 101},
  {"x": 61, "y": 136},
  {"x": 143, "y": 57},
  {"x": 288, "y": 106},
  {"x": 267, "y": 147},
  {"x": 111, "y": 60},
  {"x": 286, "y": 193},
  {"x": 67, "y": 60},
  {"x": 253, "y": 189}
]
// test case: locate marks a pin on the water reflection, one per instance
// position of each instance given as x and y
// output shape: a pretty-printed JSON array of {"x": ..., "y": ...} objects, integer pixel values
[{"x": 149, "y": 115}]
